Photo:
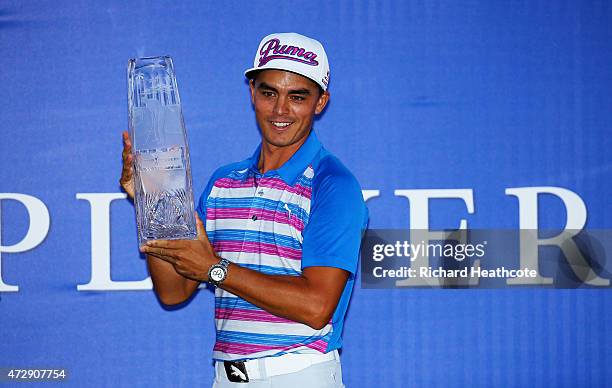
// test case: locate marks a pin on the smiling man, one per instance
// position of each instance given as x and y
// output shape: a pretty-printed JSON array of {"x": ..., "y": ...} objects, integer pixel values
[{"x": 281, "y": 236}]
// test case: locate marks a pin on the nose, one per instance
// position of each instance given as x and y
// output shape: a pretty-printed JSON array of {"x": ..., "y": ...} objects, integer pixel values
[{"x": 282, "y": 106}]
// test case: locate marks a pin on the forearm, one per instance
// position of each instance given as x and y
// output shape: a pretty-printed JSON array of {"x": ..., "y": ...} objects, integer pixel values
[
  {"x": 309, "y": 298},
  {"x": 170, "y": 287},
  {"x": 292, "y": 297}
]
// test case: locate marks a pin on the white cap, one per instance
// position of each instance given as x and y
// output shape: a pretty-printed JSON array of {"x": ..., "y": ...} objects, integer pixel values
[{"x": 292, "y": 52}]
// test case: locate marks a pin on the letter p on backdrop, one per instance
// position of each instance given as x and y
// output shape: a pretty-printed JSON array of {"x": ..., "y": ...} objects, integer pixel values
[{"x": 37, "y": 229}]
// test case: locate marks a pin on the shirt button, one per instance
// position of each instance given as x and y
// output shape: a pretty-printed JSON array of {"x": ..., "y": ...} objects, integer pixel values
[{"x": 254, "y": 218}]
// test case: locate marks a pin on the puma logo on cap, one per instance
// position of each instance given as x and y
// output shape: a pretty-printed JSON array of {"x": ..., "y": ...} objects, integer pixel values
[{"x": 273, "y": 49}]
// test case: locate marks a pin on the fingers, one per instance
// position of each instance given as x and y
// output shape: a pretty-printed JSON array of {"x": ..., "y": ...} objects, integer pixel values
[
  {"x": 127, "y": 144},
  {"x": 127, "y": 151},
  {"x": 168, "y": 245},
  {"x": 127, "y": 171},
  {"x": 167, "y": 250},
  {"x": 161, "y": 251},
  {"x": 126, "y": 138}
]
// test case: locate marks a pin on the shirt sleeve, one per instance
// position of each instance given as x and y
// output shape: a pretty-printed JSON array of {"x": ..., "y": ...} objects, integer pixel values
[
  {"x": 338, "y": 218},
  {"x": 201, "y": 209},
  {"x": 204, "y": 198}
]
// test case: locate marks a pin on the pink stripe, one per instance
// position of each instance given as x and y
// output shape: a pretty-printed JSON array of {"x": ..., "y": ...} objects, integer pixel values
[
  {"x": 281, "y": 217},
  {"x": 319, "y": 345},
  {"x": 258, "y": 247},
  {"x": 272, "y": 183},
  {"x": 239, "y": 348},
  {"x": 249, "y": 315},
  {"x": 296, "y": 223},
  {"x": 276, "y": 183},
  {"x": 229, "y": 183},
  {"x": 236, "y": 212},
  {"x": 244, "y": 213}
]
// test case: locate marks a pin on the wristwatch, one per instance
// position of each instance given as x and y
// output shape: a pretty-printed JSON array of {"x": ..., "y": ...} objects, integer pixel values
[{"x": 218, "y": 272}]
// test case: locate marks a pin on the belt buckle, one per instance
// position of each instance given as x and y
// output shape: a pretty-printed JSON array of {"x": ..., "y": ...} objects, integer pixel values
[{"x": 236, "y": 371}]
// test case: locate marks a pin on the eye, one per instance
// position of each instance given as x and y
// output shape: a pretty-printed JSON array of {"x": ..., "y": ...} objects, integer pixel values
[
  {"x": 297, "y": 98},
  {"x": 267, "y": 93}
]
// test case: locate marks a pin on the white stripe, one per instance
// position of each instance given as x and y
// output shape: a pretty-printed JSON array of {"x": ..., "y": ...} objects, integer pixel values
[
  {"x": 221, "y": 293},
  {"x": 309, "y": 172},
  {"x": 238, "y": 192},
  {"x": 232, "y": 356},
  {"x": 262, "y": 259}
]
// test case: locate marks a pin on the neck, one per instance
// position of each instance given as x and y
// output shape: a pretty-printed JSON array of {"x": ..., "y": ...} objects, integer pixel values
[{"x": 273, "y": 157}]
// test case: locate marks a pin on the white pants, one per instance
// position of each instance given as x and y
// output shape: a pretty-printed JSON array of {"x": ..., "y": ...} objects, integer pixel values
[{"x": 323, "y": 375}]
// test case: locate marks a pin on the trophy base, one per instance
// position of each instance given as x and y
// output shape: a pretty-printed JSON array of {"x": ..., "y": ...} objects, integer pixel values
[{"x": 166, "y": 216}]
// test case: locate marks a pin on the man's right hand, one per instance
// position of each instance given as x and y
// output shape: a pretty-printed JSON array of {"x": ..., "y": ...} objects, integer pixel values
[{"x": 127, "y": 173}]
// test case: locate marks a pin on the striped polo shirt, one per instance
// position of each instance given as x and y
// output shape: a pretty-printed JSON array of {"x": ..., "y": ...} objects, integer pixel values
[{"x": 309, "y": 212}]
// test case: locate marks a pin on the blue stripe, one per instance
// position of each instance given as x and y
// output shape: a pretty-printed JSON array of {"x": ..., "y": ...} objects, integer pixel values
[
  {"x": 234, "y": 303},
  {"x": 298, "y": 211},
  {"x": 239, "y": 176},
  {"x": 255, "y": 203},
  {"x": 305, "y": 181},
  {"x": 264, "y": 339},
  {"x": 269, "y": 270}
]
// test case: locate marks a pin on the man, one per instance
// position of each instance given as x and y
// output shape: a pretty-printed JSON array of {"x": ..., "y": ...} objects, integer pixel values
[{"x": 284, "y": 226}]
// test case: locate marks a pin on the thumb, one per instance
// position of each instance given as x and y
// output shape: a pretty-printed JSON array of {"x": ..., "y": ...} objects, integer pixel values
[{"x": 200, "y": 229}]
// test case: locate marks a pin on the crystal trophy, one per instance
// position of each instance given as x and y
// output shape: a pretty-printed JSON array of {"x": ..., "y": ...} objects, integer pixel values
[{"x": 162, "y": 173}]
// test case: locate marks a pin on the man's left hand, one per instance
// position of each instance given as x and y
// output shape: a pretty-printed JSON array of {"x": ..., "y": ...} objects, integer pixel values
[{"x": 190, "y": 258}]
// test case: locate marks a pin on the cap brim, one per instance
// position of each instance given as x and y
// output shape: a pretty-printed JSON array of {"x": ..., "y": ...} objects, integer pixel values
[{"x": 250, "y": 74}]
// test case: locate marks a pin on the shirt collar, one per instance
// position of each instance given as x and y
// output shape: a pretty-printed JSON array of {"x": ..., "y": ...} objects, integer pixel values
[{"x": 298, "y": 162}]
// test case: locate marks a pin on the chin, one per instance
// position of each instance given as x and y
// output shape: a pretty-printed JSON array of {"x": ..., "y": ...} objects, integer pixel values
[
  {"x": 279, "y": 142},
  {"x": 282, "y": 139}
]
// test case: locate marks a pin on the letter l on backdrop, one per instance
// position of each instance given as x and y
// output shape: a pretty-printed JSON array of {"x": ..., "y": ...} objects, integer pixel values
[{"x": 100, "y": 247}]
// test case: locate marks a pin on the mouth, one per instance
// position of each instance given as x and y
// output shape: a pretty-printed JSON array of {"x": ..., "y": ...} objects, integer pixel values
[{"x": 281, "y": 125}]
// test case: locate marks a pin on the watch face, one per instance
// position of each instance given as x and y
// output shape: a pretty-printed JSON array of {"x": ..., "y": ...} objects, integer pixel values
[{"x": 217, "y": 273}]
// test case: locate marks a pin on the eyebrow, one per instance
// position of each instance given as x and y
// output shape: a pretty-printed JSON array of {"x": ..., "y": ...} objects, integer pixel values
[{"x": 301, "y": 91}]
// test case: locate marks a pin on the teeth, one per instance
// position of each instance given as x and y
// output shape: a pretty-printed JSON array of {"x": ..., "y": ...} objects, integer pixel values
[{"x": 280, "y": 125}]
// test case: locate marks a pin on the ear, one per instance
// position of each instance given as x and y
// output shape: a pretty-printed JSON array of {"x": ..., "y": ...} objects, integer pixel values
[
  {"x": 252, "y": 87},
  {"x": 322, "y": 102}
]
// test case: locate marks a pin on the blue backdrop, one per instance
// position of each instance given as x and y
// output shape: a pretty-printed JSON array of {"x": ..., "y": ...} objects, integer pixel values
[{"x": 479, "y": 95}]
